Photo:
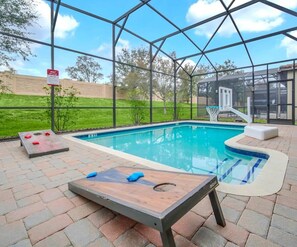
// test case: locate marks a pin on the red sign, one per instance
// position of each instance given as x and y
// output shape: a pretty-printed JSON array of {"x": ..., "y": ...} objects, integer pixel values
[{"x": 53, "y": 77}]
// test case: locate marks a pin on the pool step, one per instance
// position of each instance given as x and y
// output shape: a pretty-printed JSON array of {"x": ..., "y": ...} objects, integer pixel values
[
  {"x": 233, "y": 170},
  {"x": 254, "y": 169},
  {"x": 239, "y": 172},
  {"x": 235, "y": 164}
]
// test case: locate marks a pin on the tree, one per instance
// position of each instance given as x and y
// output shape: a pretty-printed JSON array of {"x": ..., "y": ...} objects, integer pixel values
[
  {"x": 134, "y": 81},
  {"x": 227, "y": 68},
  {"x": 162, "y": 82},
  {"x": 4, "y": 88},
  {"x": 85, "y": 69},
  {"x": 15, "y": 18},
  {"x": 130, "y": 78},
  {"x": 183, "y": 86}
]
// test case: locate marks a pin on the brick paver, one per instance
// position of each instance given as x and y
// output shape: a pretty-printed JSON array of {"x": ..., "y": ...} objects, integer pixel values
[
  {"x": 82, "y": 232},
  {"x": 60, "y": 206},
  {"x": 131, "y": 238},
  {"x": 117, "y": 226},
  {"x": 100, "y": 217},
  {"x": 188, "y": 224},
  {"x": 7, "y": 206},
  {"x": 49, "y": 227},
  {"x": 284, "y": 224},
  {"x": 79, "y": 200},
  {"x": 261, "y": 205},
  {"x": 234, "y": 203},
  {"x": 83, "y": 210},
  {"x": 206, "y": 237},
  {"x": 231, "y": 232},
  {"x": 281, "y": 237},
  {"x": 37, "y": 218},
  {"x": 287, "y": 201},
  {"x": 254, "y": 222},
  {"x": 58, "y": 239},
  {"x": 231, "y": 214},
  {"x": 50, "y": 195},
  {"x": 102, "y": 242},
  {"x": 2, "y": 220},
  {"x": 287, "y": 212},
  {"x": 203, "y": 208},
  {"x": 255, "y": 240},
  {"x": 12, "y": 233},
  {"x": 180, "y": 241},
  {"x": 151, "y": 234},
  {"x": 28, "y": 200},
  {"x": 22, "y": 243},
  {"x": 33, "y": 191},
  {"x": 24, "y": 211},
  {"x": 29, "y": 192}
]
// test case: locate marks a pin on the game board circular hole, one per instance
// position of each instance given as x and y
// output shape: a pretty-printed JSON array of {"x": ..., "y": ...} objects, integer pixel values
[
  {"x": 164, "y": 187},
  {"x": 37, "y": 134}
]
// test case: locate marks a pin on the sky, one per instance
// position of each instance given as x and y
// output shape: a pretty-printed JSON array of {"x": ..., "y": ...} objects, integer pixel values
[{"x": 80, "y": 32}]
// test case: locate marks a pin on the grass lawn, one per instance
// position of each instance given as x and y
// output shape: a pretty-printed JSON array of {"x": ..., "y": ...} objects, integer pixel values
[{"x": 13, "y": 121}]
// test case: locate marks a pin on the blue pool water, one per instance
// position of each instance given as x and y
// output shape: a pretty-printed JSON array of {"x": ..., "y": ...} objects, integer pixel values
[{"x": 195, "y": 148}]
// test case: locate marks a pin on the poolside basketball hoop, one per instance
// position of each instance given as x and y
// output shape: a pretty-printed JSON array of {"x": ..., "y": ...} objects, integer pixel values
[{"x": 213, "y": 112}]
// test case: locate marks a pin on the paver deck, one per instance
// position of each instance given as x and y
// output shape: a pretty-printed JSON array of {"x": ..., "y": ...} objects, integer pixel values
[{"x": 37, "y": 209}]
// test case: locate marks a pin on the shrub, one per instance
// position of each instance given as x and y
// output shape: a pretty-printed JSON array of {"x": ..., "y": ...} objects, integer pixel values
[
  {"x": 65, "y": 99},
  {"x": 137, "y": 113}
]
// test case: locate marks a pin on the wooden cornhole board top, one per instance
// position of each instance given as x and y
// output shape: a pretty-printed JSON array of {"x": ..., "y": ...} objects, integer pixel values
[
  {"x": 47, "y": 144},
  {"x": 139, "y": 200}
]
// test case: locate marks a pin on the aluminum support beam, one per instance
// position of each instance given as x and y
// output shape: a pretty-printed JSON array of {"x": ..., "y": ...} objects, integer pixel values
[
  {"x": 138, "y": 6},
  {"x": 240, "y": 43},
  {"x": 281, "y": 8},
  {"x": 151, "y": 84},
  {"x": 121, "y": 29},
  {"x": 174, "y": 91},
  {"x": 114, "y": 120},
  {"x": 159, "y": 48},
  {"x": 290, "y": 36},
  {"x": 191, "y": 98},
  {"x": 56, "y": 16},
  {"x": 238, "y": 32},
  {"x": 293, "y": 89},
  {"x": 207, "y": 20},
  {"x": 52, "y": 66},
  {"x": 175, "y": 26}
]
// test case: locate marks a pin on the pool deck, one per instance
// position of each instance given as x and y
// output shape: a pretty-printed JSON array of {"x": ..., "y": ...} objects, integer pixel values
[{"x": 37, "y": 209}]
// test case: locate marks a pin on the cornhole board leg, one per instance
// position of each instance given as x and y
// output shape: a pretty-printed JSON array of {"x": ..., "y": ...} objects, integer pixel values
[
  {"x": 167, "y": 238},
  {"x": 217, "y": 208}
]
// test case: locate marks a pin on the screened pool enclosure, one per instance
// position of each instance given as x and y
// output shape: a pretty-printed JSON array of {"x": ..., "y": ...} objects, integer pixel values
[{"x": 167, "y": 59}]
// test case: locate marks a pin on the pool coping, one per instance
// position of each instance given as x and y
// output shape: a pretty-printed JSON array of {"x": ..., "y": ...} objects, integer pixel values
[{"x": 268, "y": 181}]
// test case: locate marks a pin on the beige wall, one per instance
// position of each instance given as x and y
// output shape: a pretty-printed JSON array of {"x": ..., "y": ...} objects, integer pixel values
[{"x": 33, "y": 85}]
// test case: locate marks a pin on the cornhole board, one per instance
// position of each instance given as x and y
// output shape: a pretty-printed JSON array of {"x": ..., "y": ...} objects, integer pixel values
[
  {"x": 48, "y": 144},
  {"x": 157, "y": 200}
]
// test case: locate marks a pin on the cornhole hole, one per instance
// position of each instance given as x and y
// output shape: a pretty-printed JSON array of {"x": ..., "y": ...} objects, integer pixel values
[
  {"x": 42, "y": 142},
  {"x": 261, "y": 132},
  {"x": 158, "y": 199}
]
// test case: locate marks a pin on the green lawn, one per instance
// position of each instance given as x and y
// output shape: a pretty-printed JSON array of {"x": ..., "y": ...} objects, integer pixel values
[{"x": 13, "y": 121}]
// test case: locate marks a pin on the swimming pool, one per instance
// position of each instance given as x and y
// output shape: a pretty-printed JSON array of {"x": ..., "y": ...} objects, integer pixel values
[{"x": 192, "y": 147}]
